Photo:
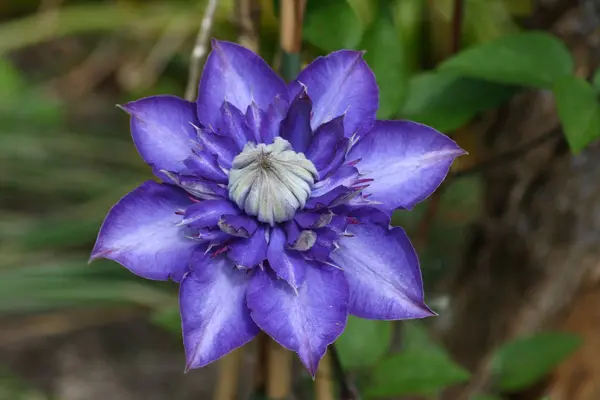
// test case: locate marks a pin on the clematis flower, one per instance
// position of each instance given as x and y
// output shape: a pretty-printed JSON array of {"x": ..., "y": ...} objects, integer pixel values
[{"x": 274, "y": 211}]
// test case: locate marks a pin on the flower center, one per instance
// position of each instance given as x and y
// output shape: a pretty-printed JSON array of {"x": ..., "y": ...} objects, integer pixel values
[{"x": 271, "y": 181}]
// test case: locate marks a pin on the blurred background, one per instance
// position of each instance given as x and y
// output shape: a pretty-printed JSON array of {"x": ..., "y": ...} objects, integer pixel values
[{"x": 509, "y": 245}]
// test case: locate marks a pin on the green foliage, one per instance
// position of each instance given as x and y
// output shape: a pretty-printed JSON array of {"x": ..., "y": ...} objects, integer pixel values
[
  {"x": 579, "y": 111},
  {"x": 15, "y": 92},
  {"x": 168, "y": 318},
  {"x": 447, "y": 101},
  {"x": 528, "y": 59},
  {"x": 596, "y": 79},
  {"x": 486, "y": 397},
  {"x": 524, "y": 361},
  {"x": 44, "y": 287},
  {"x": 385, "y": 55},
  {"x": 363, "y": 342},
  {"x": 421, "y": 368},
  {"x": 14, "y": 388},
  {"x": 332, "y": 25}
]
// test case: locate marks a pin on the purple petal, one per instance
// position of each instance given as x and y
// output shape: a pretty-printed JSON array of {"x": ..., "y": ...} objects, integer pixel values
[
  {"x": 212, "y": 235},
  {"x": 214, "y": 316},
  {"x": 338, "y": 223},
  {"x": 345, "y": 176},
  {"x": 233, "y": 124},
  {"x": 292, "y": 231},
  {"x": 382, "y": 270},
  {"x": 313, "y": 219},
  {"x": 324, "y": 142},
  {"x": 407, "y": 161},
  {"x": 208, "y": 213},
  {"x": 162, "y": 130},
  {"x": 340, "y": 84},
  {"x": 247, "y": 253},
  {"x": 328, "y": 198},
  {"x": 205, "y": 165},
  {"x": 200, "y": 188},
  {"x": 222, "y": 146},
  {"x": 364, "y": 214},
  {"x": 235, "y": 74},
  {"x": 238, "y": 225},
  {"x": 141, "y": 233},
  {"x": 295, "y": 128},
  {"x": 337, "y": 159},
  {"x": 270, "y": 126},
  {"x": 288, "y": 265},
  {"x": 307, "y": 321},
  {"x": 255, "y": 118},
  {"x": 323, "y": 245}
]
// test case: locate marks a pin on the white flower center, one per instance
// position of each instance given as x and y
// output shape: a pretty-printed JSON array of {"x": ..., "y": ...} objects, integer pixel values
[{"x": 271, "y": 181}]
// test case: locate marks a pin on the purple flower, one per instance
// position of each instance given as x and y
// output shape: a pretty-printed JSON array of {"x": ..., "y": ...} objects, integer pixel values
[{"x": 275, "y": 208}]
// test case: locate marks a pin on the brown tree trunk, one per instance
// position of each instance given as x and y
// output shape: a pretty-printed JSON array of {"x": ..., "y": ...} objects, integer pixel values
[{"x": 533, "y": 261}]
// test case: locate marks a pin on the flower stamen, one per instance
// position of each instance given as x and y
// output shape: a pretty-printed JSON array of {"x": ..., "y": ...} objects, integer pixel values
[{"x": 271, "y": 182}]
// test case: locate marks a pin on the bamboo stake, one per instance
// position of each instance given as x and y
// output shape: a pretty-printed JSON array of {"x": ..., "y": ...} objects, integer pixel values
[
  {"x": 279, "y": 378},
  {"x": 324, "y": 379},
  {"x": 228, "y": 376}
]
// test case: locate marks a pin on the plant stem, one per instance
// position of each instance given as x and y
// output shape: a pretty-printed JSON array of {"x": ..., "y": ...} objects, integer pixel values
[
  {"x": 279, "y": 368},
  {"x": 347, "y": 389},
  {"x": 200, "y": 49},
  {"x": 324, "y": 380},
  {"x": 228, "y": 377},
  {"x": 291, "y": 17}
]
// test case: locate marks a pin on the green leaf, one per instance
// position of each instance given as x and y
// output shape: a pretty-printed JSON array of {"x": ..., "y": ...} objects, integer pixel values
[
  {"x": 596, "y": 79},
  {"x": 578, "y": 110},
  {"x": 421, "y": 368},
  {"x": 486, "y": 397},
  {"x": 446, "y": 101},
  {"x": 75, "y": 284},
  {"x": 168, "y": 318},
  {"x": 332, "y": 26},
  {"x": 529, "y": 59},
  {"x": 424, "y": 372},
  {"x": 523, "y": 362},
  {"x": 385, "y": 56},
  {"x": 363, "y": 342},
  {"x": 16, "y": 91},
  {"x": 11, "y": 81}
]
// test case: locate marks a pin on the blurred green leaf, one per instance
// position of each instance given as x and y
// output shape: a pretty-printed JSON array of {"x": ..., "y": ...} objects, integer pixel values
[
  {"x": 596, "y": 79},
  {"x": 385, "y": 56},
  {"x": 168, "y": 318},
  {"x": 16, "y": 91},
  {"x": 524, "y": 361},
  {"x": 486, "y": 397},
  {"x": 421, "y": 368},
  {"x": 365, "y": 10},
  {"x": 446, "y": 101},
  {"x": 529, "y": 59},
  {"x": 363, "y": 342},
  {"x": 74, "y": 284},
  {"x": 333, "y": 25},
  {"x": 415, "y": 336},
  {"x": 14, "y": 388},
  {"x": 520, "y": 8},
  {"x": 578, "y": 110},
  {"x": 424, "y": 372},
  {"x": 408, "y": 21},
  {"x": 11, "y": 81},
  {"x": 106, "y": 16},
  {"x": 487, "y": 20}
]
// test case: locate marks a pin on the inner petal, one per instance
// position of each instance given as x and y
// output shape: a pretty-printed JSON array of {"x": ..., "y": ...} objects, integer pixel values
[{"x": 272, "y": 181}]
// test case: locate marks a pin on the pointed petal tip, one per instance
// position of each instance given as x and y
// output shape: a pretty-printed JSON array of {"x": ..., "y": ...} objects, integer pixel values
[{"x": 93, "y": 257}]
